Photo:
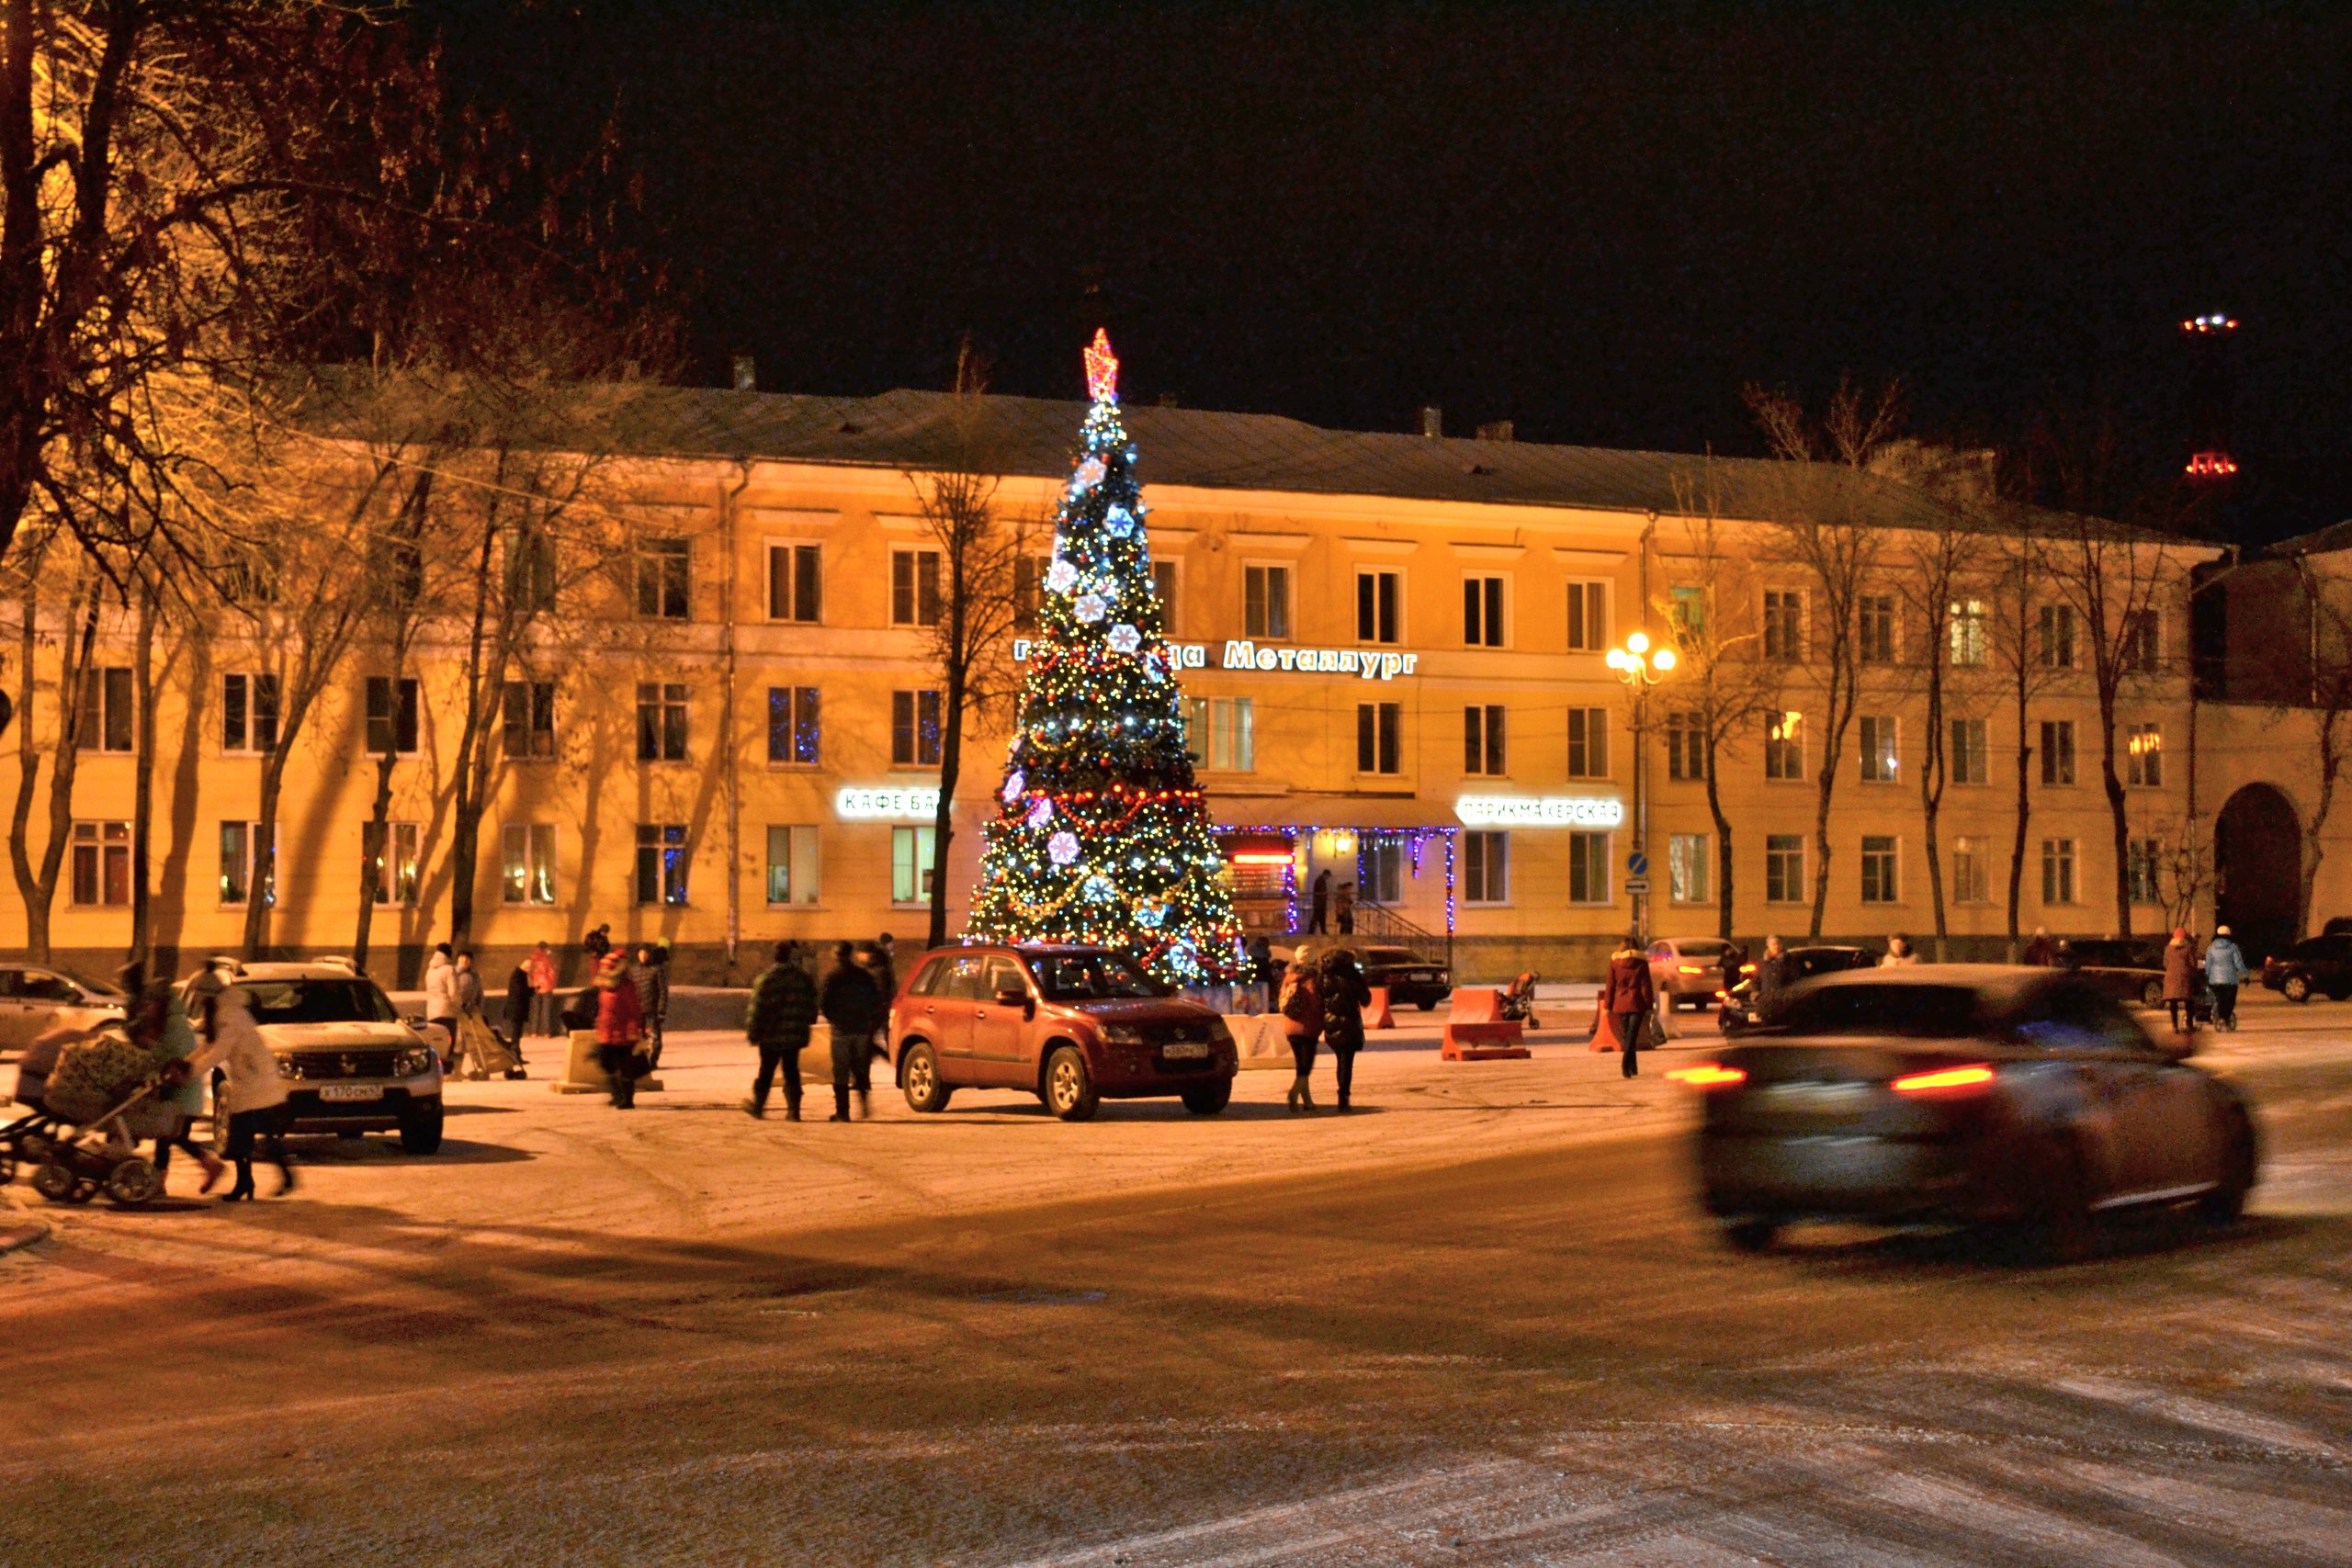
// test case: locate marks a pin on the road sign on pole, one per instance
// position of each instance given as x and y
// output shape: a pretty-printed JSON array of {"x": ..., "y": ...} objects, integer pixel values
[
  {"x": 1637, "y": 864},
  {"x": 1637, "y": 885}
]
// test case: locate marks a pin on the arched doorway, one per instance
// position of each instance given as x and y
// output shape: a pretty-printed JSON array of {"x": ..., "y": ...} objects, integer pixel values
[{"x": 2257, "y": 870}]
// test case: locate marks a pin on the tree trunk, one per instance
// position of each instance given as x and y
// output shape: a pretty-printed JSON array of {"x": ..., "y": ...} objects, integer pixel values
[
  {"x": 1932, "y": 798},
  {"x": 2025, "y": 812},
  {"x": 142, "y": 803},
  {"x": 472, "y": 775},
  {"x": 38, "y": 885},
  {"x": 1722, "y": 843},
  {"x": 261, "y": 885},
  {"x": 373, "y": 849},
  {"x": 951, "y": 765},
  {"x": 2116, "y": 817},
  {"x": 27, "y": 763}
]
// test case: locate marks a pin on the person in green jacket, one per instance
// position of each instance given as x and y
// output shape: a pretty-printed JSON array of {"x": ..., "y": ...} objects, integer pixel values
[{"x": 783, "y": 1008}]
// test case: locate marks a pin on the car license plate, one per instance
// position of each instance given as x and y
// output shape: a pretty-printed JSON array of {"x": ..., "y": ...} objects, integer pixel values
[
  {"x": 351, "y": 1091},
  {"x": 1189, "y": 1051}
]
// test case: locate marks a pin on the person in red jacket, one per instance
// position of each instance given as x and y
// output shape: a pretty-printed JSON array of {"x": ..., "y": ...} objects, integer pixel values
[
  {"x": 620, "y": 1024},
  {"x": 1627, "y": 997}
]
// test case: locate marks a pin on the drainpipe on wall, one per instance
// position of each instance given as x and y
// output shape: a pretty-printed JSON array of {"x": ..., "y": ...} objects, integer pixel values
[{"x": 727, "y": 506}]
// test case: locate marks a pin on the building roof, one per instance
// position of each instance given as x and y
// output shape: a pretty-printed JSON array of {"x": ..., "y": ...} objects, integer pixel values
[{"x": 2326, "y": 541}]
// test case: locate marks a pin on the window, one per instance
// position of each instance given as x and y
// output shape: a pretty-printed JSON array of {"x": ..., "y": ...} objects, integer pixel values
[
  {"x": 394, "y": 859},
  {"x": 1686, "y": 748},
  {"x": 392, "y": 716},
  {"x": 102, "y": 864},
  {"x": 793, "y": 727},
  {"x": 1218, "y": 733},
  {"x": 105, "y": 710},
  {"x": 239, "y": 842},
  {"x": 1881, "y": 761},
  {"x": 2057, "y": 871},
  {"x": 2142, "y": 648},
  {"x": 1588, "y": 868},
  {"x": 1969, "y": 640},
  {"x": 796, "y": 583},
  {"x": 2144, "y": 756},
  {"x": 1688, "y": 868},
  {"x": 1879, "y": 857},
  {"x": 1874, "y": 627},
  {"x": 526, "y": 715},
  {"x": 2141, "y": 857},
  {"x": 1784, "y": 868},
  {"x": 1482, "y": 740},
  {"x": 1383, "y": 866},
  {"x": 1265, "y": 600},
  {"x": 792, "y": 864},
  {"x": 1972, "y": 863},
  {"x": 1784, "y": 624},
  {"x": 1686, "y": 611},
  {"x": 1482, "y": 611},
  {"x": 662, "y": 862},
  {"x": 249, "y": 712},
  {"x": 530, "y": 573},
  {"x": 1380, "y": 738},
  {"x": 1970, "y": 759},
  {"x": 661, "y": 577},
  {"x": 1486, "y": 868},
  {"x": 661, "y": 721},
  {"x": 1785, "y": 746},
  {"x": 2057, "y": 750},
  {"x": 910, "y": 852},
  {"x": 1587, "y": 617},
  {"x": 914, "y": 729},
  {"x": 1028, "y": 590},
  {"x": 1163, "y": 589},
  {"x": 1376, "y": 607},
  {"x": 915, "y": 588},
  {"x": 527, "y": 852},
  {"x": 1588, "y": 743},
  {"x": 2055, "y": 648}
]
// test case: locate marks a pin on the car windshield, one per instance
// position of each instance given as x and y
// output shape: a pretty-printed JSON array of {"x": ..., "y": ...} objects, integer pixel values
[
  {"x": 319, "y": 1001},
  {"x": 1390, "y": 955},
  {"x": 1917, "y": 1011},
  {"x": 1090, "y": 976}
]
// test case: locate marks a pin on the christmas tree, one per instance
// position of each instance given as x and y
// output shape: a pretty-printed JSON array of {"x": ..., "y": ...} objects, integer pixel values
[{"x": 1101, "y": 835}]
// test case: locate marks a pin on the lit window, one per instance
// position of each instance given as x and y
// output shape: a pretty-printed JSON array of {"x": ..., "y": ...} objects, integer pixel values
[
  {"x": 914, "y": 729},
  {"x": 102, "y": 864},
  {"x": 1970, "y": 640},
  {"x": 910, "y": 856},
  {"x": 394, "y": 863},
  {"x": 662, "y": 862},
  {"x": 1689, "y": 868},
  {"x": 2144, "y": 756},
  {"x": 527, "y": 850},
  {"x": 1785, "y": 746},
  {"x": 1218, "y": 733},
  {"x": 792, "y": 864},
  {"x": 794, "y": 729}
]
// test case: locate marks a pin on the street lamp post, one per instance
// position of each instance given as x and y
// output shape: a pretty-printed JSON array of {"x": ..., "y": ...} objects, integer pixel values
[{"x": 1641, "y": 666}]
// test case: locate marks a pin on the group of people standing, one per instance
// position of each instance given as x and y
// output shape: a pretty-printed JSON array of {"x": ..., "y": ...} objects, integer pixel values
[
  {"x": 1323, "y": 999},
  {"x": 854, "y": 1001},
  {"x": 1324, "y": 908}
]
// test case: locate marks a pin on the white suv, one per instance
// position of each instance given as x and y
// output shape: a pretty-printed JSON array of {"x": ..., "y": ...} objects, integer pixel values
[{"x": 350, "y": 1065}]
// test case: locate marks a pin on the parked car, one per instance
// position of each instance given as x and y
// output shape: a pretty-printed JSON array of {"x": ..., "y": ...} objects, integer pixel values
[
  {"x": 351, "y": 1065},
  {"x": 1072, "y": 1025},
  {"x": 1737, "y": 1011},
  {"x": 2321, "y": 964},
  {"x": 2131, "y": 969},
  {"x": 1688, "y": 969},
  {"x": 1412, "y": 980},
  {"x": 34, "y": 1000},
  {"x": 1961, "y": 1094}
]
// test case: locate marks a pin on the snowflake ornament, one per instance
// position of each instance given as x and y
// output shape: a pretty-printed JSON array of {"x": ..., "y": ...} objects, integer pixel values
[
  {"x": 1061, "y": 577},
  {"x": 1089, "y": 474},
  {"x": 1014, "y": 783},
  {"x": 1041, "y": 814},
  {"x": 1120, "y": 521},
  {"x": 1125, "y": 639},
  {"x": 1062, "y": 848},
  {"x": 1097, "y": 888},
  {"x": 1090, "y": 608}
]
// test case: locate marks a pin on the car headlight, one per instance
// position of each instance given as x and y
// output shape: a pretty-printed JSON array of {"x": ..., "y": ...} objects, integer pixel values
[
  {"x": 415, "y": 1063},
  {"x": 1121, "y": 1034},
  {"x": 286, "y": 1067},
  {"x": 1218, "y": 1033}
]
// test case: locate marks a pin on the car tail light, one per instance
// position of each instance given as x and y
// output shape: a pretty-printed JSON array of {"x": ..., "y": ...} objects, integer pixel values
[
  {"x": 1975, "y": 1075},
  {"x": 1748, "y": 968},
  {"x": 1708, "y": 1074},
  {"x": 1693, "y": 969}
]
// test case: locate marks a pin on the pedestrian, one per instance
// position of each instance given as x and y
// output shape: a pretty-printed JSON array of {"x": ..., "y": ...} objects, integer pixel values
[
  {"x": 2225, "y": 971},
  {"x": 441, "y": 1000},
  {"x": 1628, "y": 996},
  {"x": 545, "y": 1020},
  {"x": 1735, "y": 958},
  {"x": 1343, "y": 908},
  {"x": 1345, "y": 995},
  {"x": 620, "y": 1028},
  {"x": 255, "y": 1094},
  {"x": 2042, "y": 952},
  {"x": 850, "y": 1003},
  {"x": 157, "y": 1023},
  {"x": 886, "y": 966},
  {"x": 1301, "y": 1010},
  {"x": 2180, "y": 981},
  {"x": 597, "y": 945},
  {"x": 783, "y": 1006},
  {"x": 1261, "y": 977},
  {"x": 521, "y": 997},
  {"x": 1899, "y": 953},
  {"x": 1319, "y": 902},
  {"x": 464, "y": 985},
  {"x": 1771, "y": 976},
  {"x": 653, "y": 976}
]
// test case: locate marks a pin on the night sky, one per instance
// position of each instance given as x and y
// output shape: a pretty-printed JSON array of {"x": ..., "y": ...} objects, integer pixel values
[{"x": 1596, "y": 221}]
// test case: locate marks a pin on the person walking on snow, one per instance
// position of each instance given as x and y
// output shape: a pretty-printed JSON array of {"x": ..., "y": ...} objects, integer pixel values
[
  {"x": 653, "y": 976},
  {"x": 2225, "y": 971},
  {"x": 541, "y": 965},
  {"x": 1345, "y": 995},
  {"x": 853, "y": 1005},
  {"x": 2180, "y": 981},
  {"x": 1302, "y": 1010},
  {"x": 521, "y": 999},
  {"x": 1627, "y": 995},
  {"x": 783, "y": 1006},
  {"x": 620, "y": 1026},
  {"x": 441, "y": 1000},
  {"x": 254, "y": 1096}
]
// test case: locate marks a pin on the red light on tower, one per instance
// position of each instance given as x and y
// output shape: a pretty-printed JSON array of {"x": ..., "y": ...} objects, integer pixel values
[{"x": 2211, "y": 465}]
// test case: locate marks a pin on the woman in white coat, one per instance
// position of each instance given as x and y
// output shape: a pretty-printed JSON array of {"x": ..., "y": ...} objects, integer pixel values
[{"x": 255, "y": 1095}]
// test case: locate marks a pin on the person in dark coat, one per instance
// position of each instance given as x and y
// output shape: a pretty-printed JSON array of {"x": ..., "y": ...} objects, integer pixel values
[
  {"x": 783, "y": 1006},
  {"x": 2042, "y": 952},
  {"x": 595, "y": 944},
  {"x": 522, "y": 998},
  {"x": 852, "y": 1004},
  {"x": 2180, "y": 981},
  {"x": 653, "y": 976},
  {"x": 1262, "y": 975},
  {"x": 1343, "y": 908},
  {"x": 1345, "y": 995},
  {"x": 1627, "y": 995},
  {"x": 1302, "y": 1008},
  {"x": 1735, "y": 958},
  {"x": 886, "y": 967},
  {"x": 1319, "y": 903}
]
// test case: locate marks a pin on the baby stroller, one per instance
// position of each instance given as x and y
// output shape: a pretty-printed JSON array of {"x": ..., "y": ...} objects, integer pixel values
[
  {"x": 105, "y": 1096},
  {"x": 1517, "y": 1002},
  {"x": 26, "y": 1140}
]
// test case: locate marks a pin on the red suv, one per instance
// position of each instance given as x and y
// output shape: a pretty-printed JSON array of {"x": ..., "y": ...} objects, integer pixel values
[{"x": 1072, "y": 1025}]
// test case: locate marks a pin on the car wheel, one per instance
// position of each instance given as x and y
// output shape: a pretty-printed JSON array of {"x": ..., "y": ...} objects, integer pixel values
[
  {"x": 2062, "y": 1229},
  {"x": 1209, "y": 1102},
  {"x": 54, "y": 1183},
  {"x": 2225, "y": 1203},
  {"x": 1751, "y": 1236},
  {"x": 920, "y": 1078},
  {"x": 1070, "y": 1088},
  {"x": 421, "y": 1129},
  {"x": 131, "y": 1183},
  {"x": 1429, "y": 1007},
  {"x": 2151, "y": 995},
  {"x": 2296, "y": 989}
]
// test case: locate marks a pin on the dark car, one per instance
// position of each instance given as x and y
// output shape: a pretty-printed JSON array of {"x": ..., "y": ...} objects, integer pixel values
[
  {"x": 2131, "y": 969},
  {"x": 1961, "y": 1094},
  {"x": 1410, "y": 978},
  {"x": 2321, "y": 964},
  {"x": 1072, "y": 1025},
  {"x": 1737, "y": 1010}
]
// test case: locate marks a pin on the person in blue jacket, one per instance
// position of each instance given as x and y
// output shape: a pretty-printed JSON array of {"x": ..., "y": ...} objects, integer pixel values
[{"x": 2225, "y": 971}]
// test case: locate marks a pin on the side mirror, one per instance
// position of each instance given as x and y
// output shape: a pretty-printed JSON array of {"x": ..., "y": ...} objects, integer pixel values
[{"x": 1014, "y": 997}]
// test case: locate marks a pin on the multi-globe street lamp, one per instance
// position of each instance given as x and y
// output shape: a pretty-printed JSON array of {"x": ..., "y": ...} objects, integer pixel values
[{"x": 1641, "y": 666}]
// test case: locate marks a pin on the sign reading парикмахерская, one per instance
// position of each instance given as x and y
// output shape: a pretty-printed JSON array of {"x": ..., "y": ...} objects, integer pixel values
[{"x": 1239, "y": 653}]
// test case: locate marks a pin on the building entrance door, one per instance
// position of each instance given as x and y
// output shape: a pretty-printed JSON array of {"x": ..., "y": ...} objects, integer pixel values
[{"x": 2257, "y": 870}]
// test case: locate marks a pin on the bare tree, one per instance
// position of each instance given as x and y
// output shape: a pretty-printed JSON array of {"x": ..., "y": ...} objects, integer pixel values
[
  {"x": 1821, "y": 531},
  {"x": 2329, "y": 696},
  {"x": 67, "y": 615}
]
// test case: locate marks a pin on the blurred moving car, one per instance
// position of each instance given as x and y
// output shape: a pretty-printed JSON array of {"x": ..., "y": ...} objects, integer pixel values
[
  {"x": 1072, "y": 1025},
  {"x": 2129, "y": 968},
  {"x": 1737, "y": 1011},
  {"x": 1961, "y": 1094},
  {"x": 34, "y": 1000},
  {"x": 350, "y": 1065},
  {"x": 2321, "y": 964},
  {"x": 1688, "y": 970}
]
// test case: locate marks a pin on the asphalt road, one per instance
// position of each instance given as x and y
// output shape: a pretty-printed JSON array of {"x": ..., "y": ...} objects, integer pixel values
[{"x": 1537, "y": 1358}]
